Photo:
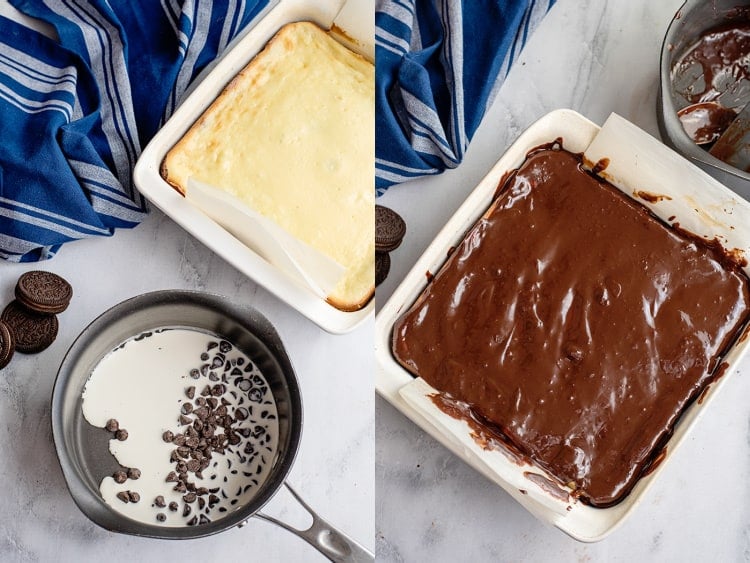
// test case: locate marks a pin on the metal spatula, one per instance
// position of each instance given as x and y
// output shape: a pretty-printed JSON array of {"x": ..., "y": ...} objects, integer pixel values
[{"x": 733, "y": 146}]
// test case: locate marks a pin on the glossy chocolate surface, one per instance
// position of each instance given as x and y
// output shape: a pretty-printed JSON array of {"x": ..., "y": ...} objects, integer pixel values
[{"x": 575, "y": 324}]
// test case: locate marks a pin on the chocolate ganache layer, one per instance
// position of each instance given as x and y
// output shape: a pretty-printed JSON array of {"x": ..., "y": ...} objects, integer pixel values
[{"x": 575, "y": 324}]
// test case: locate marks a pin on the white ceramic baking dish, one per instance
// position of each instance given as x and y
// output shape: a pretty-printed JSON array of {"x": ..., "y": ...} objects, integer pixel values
[
  {"x": 637, "y": 162},
  {"x": 150, "y": 183}
]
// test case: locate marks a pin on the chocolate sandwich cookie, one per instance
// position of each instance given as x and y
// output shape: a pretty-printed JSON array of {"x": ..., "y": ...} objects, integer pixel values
[
  {"x": 382, "y": 266},
  {"x": 33, "y": 331},
  {"x": 43, "y": 292},
  {"x": 7, "y": 344},
  {"x": 390, "y": 229}
]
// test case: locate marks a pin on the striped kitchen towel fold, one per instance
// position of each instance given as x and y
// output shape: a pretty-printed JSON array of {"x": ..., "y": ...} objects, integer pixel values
[
  {"x": 74, "y": 113},
  {"x": 439, "y": 64}
]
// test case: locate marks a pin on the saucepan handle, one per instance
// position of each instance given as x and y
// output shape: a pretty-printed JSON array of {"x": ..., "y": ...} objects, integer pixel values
[{"x": 331, "y": 542}]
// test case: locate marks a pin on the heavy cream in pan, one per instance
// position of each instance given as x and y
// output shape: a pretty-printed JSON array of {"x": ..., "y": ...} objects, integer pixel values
[{"x": 194, "y": 426}]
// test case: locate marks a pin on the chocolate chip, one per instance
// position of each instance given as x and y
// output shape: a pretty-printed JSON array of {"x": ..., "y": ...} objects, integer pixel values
[
  {"x": 167, "y": 436},
  {"x": 186, "y": 510},
  {"x": 212, "y": 345},
  {"x": 133, "y": 496},
  {"x": 187, "y": 408},
  {"x": 255, "y": 395},
  {"x": 217, "y": 362},
  {"x": 213, "y": 402},
  {"x": 159, "y": 501},
  {"x": 201, "y": 412},
  {"x": 195, "y": 374},
  {"x": 179, "y": 440},
  {"x": 240, "y": 361},
  {"x": 203, "y": 520},
  {"x": 218, "y": 390},
  {"x": 123, "y": 496},
  {"x": 236, "y": 372},
  {"x": 180, "y": 487},
  {"x": 134, "y": 473},
  {"x": 172, "y": 477},
  {"x": 193, "y": 465},
  {"x": 173, "y": 506},
  {"x": 121, "y": 434},
  {"x": 193, "y": 521},
  {"x": 204, "y": 356},
  {"x": 112, "y": 425},
  {"x": 245, "y": 385},
  {"x": 213, "y": 377},
  {"x": 184, "y": 420},
  {"x": 201, "y": 503},
  {"x": 225, "y": 346},
  {"x": 189, "y": 498},
  {"x": 120, "y": 476},
  {"x": 190, "y": 392},
  {"x": 161, "y": 517},
  {"x": 241, "y": 413}
]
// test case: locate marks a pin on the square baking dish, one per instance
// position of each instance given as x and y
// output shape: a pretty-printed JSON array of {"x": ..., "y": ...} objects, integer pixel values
[
  {"x": 637, "y": 162},
  {"x": 149, "y": 182}
]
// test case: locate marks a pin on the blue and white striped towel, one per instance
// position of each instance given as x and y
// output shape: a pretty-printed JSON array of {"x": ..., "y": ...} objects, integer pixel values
[
  {"x": 439, "y": 64},
  {"x": 74, "y": 114}
]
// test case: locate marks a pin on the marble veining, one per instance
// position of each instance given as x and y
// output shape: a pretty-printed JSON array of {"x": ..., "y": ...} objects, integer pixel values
[{"x": 596, "y": 58}]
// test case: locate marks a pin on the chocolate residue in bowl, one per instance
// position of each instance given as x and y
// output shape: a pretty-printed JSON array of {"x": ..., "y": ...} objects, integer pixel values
[
  {"x": 716, "y": 67},
  {"x": 704, "y": 122},
  {"x": 713, "y": 80}
]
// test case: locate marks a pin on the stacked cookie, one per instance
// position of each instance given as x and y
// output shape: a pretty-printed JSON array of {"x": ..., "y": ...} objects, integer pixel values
[
  {"x": 29, "y": 323},
  {"x": 390, "y": 229}
]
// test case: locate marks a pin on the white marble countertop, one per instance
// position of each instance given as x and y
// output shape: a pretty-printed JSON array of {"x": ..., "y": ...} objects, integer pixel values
[
  {"x": 334, "y": 468},
  {"x": 595, "y": 57}
]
